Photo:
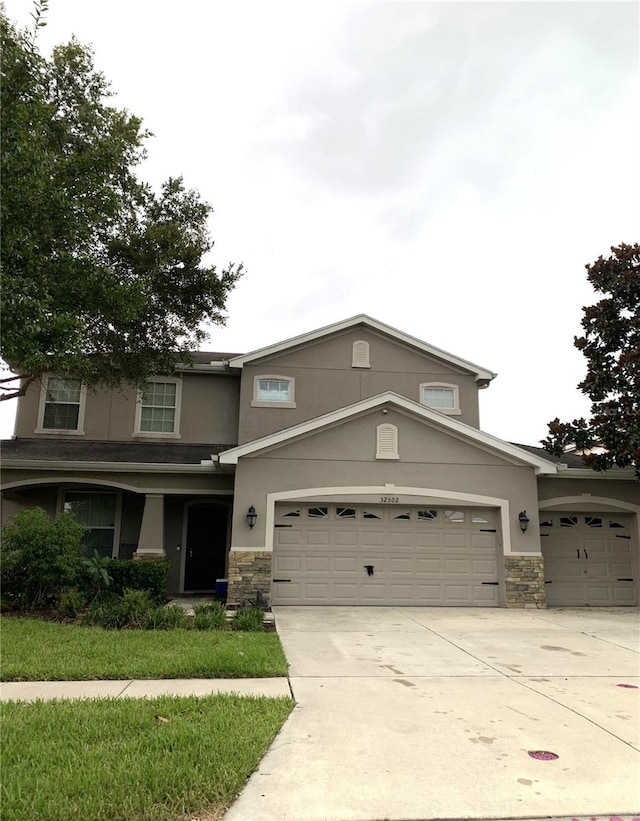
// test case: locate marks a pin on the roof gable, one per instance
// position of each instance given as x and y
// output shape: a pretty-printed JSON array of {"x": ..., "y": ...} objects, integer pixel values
[
  {"x": 481, "y": 374},
  {"x": 445, "y": 423}
]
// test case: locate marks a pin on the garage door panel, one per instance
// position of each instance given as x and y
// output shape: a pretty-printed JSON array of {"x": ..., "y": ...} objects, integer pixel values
[
  {"x": 587, "y": 566},
  {"x": 286, "y": 564},
  {"x": 427, "y": 560},
  {"x": 316, "y": 538},
  {"x": 316, "y": 564}
]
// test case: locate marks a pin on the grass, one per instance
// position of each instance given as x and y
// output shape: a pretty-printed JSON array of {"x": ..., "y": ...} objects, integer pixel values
[
  {"x": 35, "y": 650},
  {"x": 139, "y": 760}
]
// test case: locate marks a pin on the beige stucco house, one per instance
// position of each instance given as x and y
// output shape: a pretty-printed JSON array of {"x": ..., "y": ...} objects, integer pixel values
[{"x": 345, "y": 466}]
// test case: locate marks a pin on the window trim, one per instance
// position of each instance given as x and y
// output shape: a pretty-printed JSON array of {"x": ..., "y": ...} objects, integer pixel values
[
  {"x": 455, "y": 410},
  {"x": 263, "y": 403},
  {"x": 156, "y": 434},
  {"x": 62, "y": 492},
  {"x": 79, "y": 431}
]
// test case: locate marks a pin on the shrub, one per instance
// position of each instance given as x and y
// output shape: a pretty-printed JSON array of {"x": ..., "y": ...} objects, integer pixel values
[
  {"x": 136, "y": 606},
  {"x": 71, "y": 602},
  {"x": 96, "y": 569},
  {"x": 250, "y": 619},
  {"x": 40, "y": 558},
  {"x": 140, "y": 574},
  {"x": 209, "y": 616},
  {"x": 107, "y": 611},
  {"x": 166, "y": 618}
]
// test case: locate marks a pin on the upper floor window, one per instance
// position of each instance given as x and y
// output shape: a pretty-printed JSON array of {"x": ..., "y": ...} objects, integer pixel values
[
  {"x": 360, "y": 354},
  {"x": 271, "y": 391},
  {"x": 158, "y": 408},
  {"x": 440, "y": 396},
  {"x": 62, "y": 403}
]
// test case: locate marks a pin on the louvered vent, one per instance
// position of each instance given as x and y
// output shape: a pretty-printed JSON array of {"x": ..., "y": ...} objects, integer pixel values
[
  {"x": 387, "y": 442},
  {"x": 360, "y": 354}
]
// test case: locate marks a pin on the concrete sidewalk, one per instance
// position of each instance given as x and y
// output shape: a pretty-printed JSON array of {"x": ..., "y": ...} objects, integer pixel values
[{"x": 142, "y": 688}]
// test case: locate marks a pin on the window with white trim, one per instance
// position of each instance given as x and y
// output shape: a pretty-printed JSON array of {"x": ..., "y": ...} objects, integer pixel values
[
  {"x": 273, "y": 391},
  {"x": 360, "y": 354},
  {"x": 98, "y": 513},
  {"x": 158, "y": 408},
  {"x": 440, "y": 396},
  {"x": 387, "y": 442},
  {"x": 62, "y": 405}
]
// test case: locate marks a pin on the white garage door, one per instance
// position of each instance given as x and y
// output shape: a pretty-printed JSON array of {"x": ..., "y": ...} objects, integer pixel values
[
  {"x": 588, "y": 559},
  {"x": 385, "y": 554}
]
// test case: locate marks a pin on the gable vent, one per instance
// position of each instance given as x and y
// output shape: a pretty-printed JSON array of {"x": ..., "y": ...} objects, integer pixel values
[
  {"x": 360, "y": 354},
  {"x": 387, "y": 442}
]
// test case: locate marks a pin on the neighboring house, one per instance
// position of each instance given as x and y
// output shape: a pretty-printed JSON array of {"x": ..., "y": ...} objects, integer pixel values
[{"x": 359, "y": 450}]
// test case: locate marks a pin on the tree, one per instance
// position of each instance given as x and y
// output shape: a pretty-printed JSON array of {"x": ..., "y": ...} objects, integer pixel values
[
  {"x": 611, "y": 344},
  {"x": 102, "y": 279}
]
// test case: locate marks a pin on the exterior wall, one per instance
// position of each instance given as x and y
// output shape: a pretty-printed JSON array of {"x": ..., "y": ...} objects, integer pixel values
[
  {"x": 344, "y": 457},
  {"x": 325, "y": 380},
  {"x": 524, "y": 582},
  {"x": 249, "y": 578},
  {"x": 209, "y": 412},
  {"x": 589, "y": 493}
]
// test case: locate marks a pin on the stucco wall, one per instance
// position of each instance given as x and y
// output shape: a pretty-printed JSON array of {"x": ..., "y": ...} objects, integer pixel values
[
  {"x": 325, "y": 380},
  {"x": 209, "y": 412},
  {"x": 342, "y": 457}
]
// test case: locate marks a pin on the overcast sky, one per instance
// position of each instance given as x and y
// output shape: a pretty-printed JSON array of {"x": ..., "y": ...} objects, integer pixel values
[{"x": 446, "y": 167}]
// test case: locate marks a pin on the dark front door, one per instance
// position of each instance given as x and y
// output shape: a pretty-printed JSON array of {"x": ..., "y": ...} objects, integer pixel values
[{"x": 206, "y": 548}]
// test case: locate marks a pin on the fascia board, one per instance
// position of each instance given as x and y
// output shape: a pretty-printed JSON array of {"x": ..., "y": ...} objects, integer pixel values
[
  {"x": 542, "y": 466},
  {"x": 625, "y": 474},
  {"x": 482, "y": 374},
  {"x": 107, "y": 467}
]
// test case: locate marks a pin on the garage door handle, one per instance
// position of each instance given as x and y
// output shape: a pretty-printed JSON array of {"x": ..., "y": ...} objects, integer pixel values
[
  {"x": 369, "y": 569},
  {"x": 548, "y": 582},
  {"x": 578, "y": 552},
  {"x": 586, "y": 555},
  {"x": 282, "y": 580},
  {"x": 625, "y": 580},
  {"x": 496, "y": 583}
]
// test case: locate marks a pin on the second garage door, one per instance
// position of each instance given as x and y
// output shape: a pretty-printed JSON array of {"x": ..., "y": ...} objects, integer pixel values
[{"x": 385, "y": 554}]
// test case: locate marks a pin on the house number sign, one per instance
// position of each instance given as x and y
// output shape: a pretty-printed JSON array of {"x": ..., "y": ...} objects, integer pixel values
[{"x": 389, "y": 500}]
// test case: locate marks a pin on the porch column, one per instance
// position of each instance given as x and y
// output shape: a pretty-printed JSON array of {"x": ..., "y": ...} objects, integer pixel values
[{"x": 151, "y": 541}]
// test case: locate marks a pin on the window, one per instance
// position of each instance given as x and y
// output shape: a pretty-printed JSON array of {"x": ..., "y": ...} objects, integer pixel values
[
  {"x": 455, "y": 516},
  {"x": 440, "y": 396},
  {"x": 318, "y": 512},
  {"x": 360, "y": 354},
  {"x": 345, "y": 513},
  {"x": 98, "y": 512},
  {"x": 270, "y": 391},
  {"x": 427, "y": 515},
  {"x": 62, "y": 402},
  {"x": 158, "y": 408},
  {"x": 387, "y": 442}
]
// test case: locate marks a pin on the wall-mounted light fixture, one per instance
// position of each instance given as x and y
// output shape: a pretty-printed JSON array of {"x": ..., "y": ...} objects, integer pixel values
[
  {"x": 524, "y": 520},
  {"x": 251, "y": 516}
]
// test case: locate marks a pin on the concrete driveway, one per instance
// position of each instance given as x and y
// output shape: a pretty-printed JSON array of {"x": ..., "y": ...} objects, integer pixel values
[{"x": 430, "y": 713}]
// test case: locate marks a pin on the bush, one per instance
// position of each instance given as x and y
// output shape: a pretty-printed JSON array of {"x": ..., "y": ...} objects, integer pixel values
[
  {"x": 71, "y": 602},
  {"x": 250, "y": 619},
  {"x": 167, "y": 618},
  {"x": 40, "y": 558},
  {"x": 140, "y": 574},
  {"x": 209, "y": 616},
  {"x": 136, "y": 606},
  {"x": 107, "y": 611}
]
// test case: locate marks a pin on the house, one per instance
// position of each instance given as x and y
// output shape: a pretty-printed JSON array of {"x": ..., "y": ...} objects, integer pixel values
[{"x": 344, "y": 466}]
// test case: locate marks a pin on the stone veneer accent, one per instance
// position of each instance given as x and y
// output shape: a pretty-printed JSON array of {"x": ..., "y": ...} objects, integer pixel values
[
  {"x": 249, "y": 578},
  {"x": 524, "y": 582}
]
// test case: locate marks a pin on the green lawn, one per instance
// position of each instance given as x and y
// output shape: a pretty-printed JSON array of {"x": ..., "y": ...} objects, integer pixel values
[
  {"x": 35, "y": 650},
  {"x": 134, "y": 759}
]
